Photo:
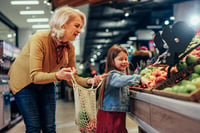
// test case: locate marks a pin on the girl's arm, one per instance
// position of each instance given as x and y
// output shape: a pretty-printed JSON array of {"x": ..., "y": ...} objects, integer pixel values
[{"x": 119, "y": 80}]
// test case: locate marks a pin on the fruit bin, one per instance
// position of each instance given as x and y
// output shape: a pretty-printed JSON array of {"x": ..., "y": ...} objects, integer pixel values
[
  {"x": 176, "y": 79},
  {"x": 145, "y": 88},
  {"x": 139, "y": 88}
]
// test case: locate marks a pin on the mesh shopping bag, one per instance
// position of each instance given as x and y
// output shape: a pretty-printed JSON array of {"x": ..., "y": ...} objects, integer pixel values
[{"x": 85, "y": 107}]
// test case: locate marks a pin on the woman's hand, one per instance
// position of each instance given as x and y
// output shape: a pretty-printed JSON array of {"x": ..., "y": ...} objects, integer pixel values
[
  {"x": 97, "y": 79},
  {"x": 65, "y": 73}
]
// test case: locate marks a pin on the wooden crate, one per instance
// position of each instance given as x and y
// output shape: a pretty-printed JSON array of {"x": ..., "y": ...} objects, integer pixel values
[
  {"x": 174, "y": 80},
  {"x": 194, "y": 96}
]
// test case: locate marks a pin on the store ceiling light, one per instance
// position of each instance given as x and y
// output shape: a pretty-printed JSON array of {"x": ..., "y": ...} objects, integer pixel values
[
  {"x": 132, "y": 38},
  {"x": 31, "y": 12},
  {"x": 195, "y": 20},
  {"x": 31, "y": 20},
  {"x": 126, "y": 14},
  {"x": 9, "y": 35},
  {"x": 40, "y": 26},
  {"x": 25, "y": 2},
  {"x": 154, "y": 27}
]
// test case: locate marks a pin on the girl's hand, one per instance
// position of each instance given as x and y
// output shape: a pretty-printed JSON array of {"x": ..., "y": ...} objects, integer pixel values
[
  {"x": 145, "y": 81},
  {"x": 97, "y": 79},
  {"x": 65, "y": 73}
]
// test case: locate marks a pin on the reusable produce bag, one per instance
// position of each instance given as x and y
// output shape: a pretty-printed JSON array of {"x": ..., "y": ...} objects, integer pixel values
[{"x": 85, "y": 107}]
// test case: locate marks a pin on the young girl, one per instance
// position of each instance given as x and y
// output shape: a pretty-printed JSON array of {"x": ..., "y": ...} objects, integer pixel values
[{"x": 114, "y": 92}]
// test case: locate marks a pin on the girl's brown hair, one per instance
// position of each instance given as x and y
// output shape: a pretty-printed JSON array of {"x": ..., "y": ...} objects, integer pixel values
[{"x": 110, "y": 65}]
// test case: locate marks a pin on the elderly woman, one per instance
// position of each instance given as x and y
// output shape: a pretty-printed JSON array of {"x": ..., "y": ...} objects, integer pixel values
[{"x": 47, "y": 57}]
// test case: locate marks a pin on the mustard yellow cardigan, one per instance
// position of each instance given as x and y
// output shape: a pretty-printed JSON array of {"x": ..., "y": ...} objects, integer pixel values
[{"x": 37, "y": 63}]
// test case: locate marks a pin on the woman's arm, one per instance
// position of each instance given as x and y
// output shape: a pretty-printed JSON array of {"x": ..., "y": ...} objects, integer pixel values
[{"x": 37, "y": 73}]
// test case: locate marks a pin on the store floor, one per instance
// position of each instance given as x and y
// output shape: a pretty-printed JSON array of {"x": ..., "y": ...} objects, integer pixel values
[{"x": 65, "y": 120}]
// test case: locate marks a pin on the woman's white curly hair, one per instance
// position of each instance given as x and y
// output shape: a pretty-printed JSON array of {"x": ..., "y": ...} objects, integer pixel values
[{"x": 62, "y": 16}]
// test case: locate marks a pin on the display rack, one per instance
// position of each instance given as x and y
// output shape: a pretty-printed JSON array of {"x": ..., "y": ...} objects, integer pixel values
[
  {"x": 156, "y": 114},
  {"x": 9, "y": 113}
]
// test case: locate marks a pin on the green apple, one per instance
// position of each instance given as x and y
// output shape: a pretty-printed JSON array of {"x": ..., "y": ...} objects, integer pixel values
[
  {"x": 175, "y": 88},
  {"x": 182, "y": 89},
  {"x": 190, "y": 88},
  {"x": 167, "y": 89},
  {"x": 197, "y": 69},
  {"x": 184, "y": 82},
  {"x": 191, "y": 59},
  {"x": 196, "y": 82},
  {"x": 181, "y": 65},
  {"x": 146, "y": 75},
  {"x": 145, "y": 72},
  {"x": 193, "y": 76}
]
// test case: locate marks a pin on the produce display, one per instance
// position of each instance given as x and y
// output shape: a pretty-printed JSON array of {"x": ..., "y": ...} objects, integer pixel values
[
  {"x": 176, "y": 73},
  {"x": 155, "y": 75},
  {"x": 189, "y": 60},
  {"x": 195, "y": 42},
  {"x": 187, "y": 85}
]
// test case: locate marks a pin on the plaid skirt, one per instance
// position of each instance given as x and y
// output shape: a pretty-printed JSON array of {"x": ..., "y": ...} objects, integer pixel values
[{"x": 111, "y": 122}]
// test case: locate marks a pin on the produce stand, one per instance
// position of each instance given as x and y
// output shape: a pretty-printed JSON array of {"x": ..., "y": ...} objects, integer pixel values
[
  {"x": 156, "y": 114},
  {"x": 170, "y": 104}
]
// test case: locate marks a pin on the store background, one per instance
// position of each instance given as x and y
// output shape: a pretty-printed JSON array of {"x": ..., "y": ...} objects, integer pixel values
[{"x": 106, "y": 25}]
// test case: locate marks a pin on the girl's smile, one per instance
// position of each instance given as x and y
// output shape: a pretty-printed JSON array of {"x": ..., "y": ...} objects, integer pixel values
[{"x": 121, "y": 61}]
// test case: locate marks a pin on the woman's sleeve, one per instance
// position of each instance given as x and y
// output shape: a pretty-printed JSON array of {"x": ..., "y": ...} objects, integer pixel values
[
  {"x": 118, "y": 80},
  {"x": 71, "y": 63},
  {"x": 37, "y": 74}
]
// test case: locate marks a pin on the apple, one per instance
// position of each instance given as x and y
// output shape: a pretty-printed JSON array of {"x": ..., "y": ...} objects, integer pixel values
[
  {"x": 146, "y": 74},
  {"x": 198, "y": 48},
  {"x": 156, "y": 72},
  {"x": 197, "y": 69},
  {"x": 145, "y": 71},
  {"x": 167, "y": 89},
  {"x": 191, "y": 59},
  {"x": 196, "y": 82},
  {"x": 159, "y": 79},
  {"x": 193, "y": 76},
  {"x": 182, "y": 89},
  {"x": 152, "y": 84},
  {"x": 190, "y": 87},
  {"x": 184, "y": 82},
  {"x": 151, "y": 78},
  {"x": 181, "y": 65},
  {"x": 175, "y": 88}
]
